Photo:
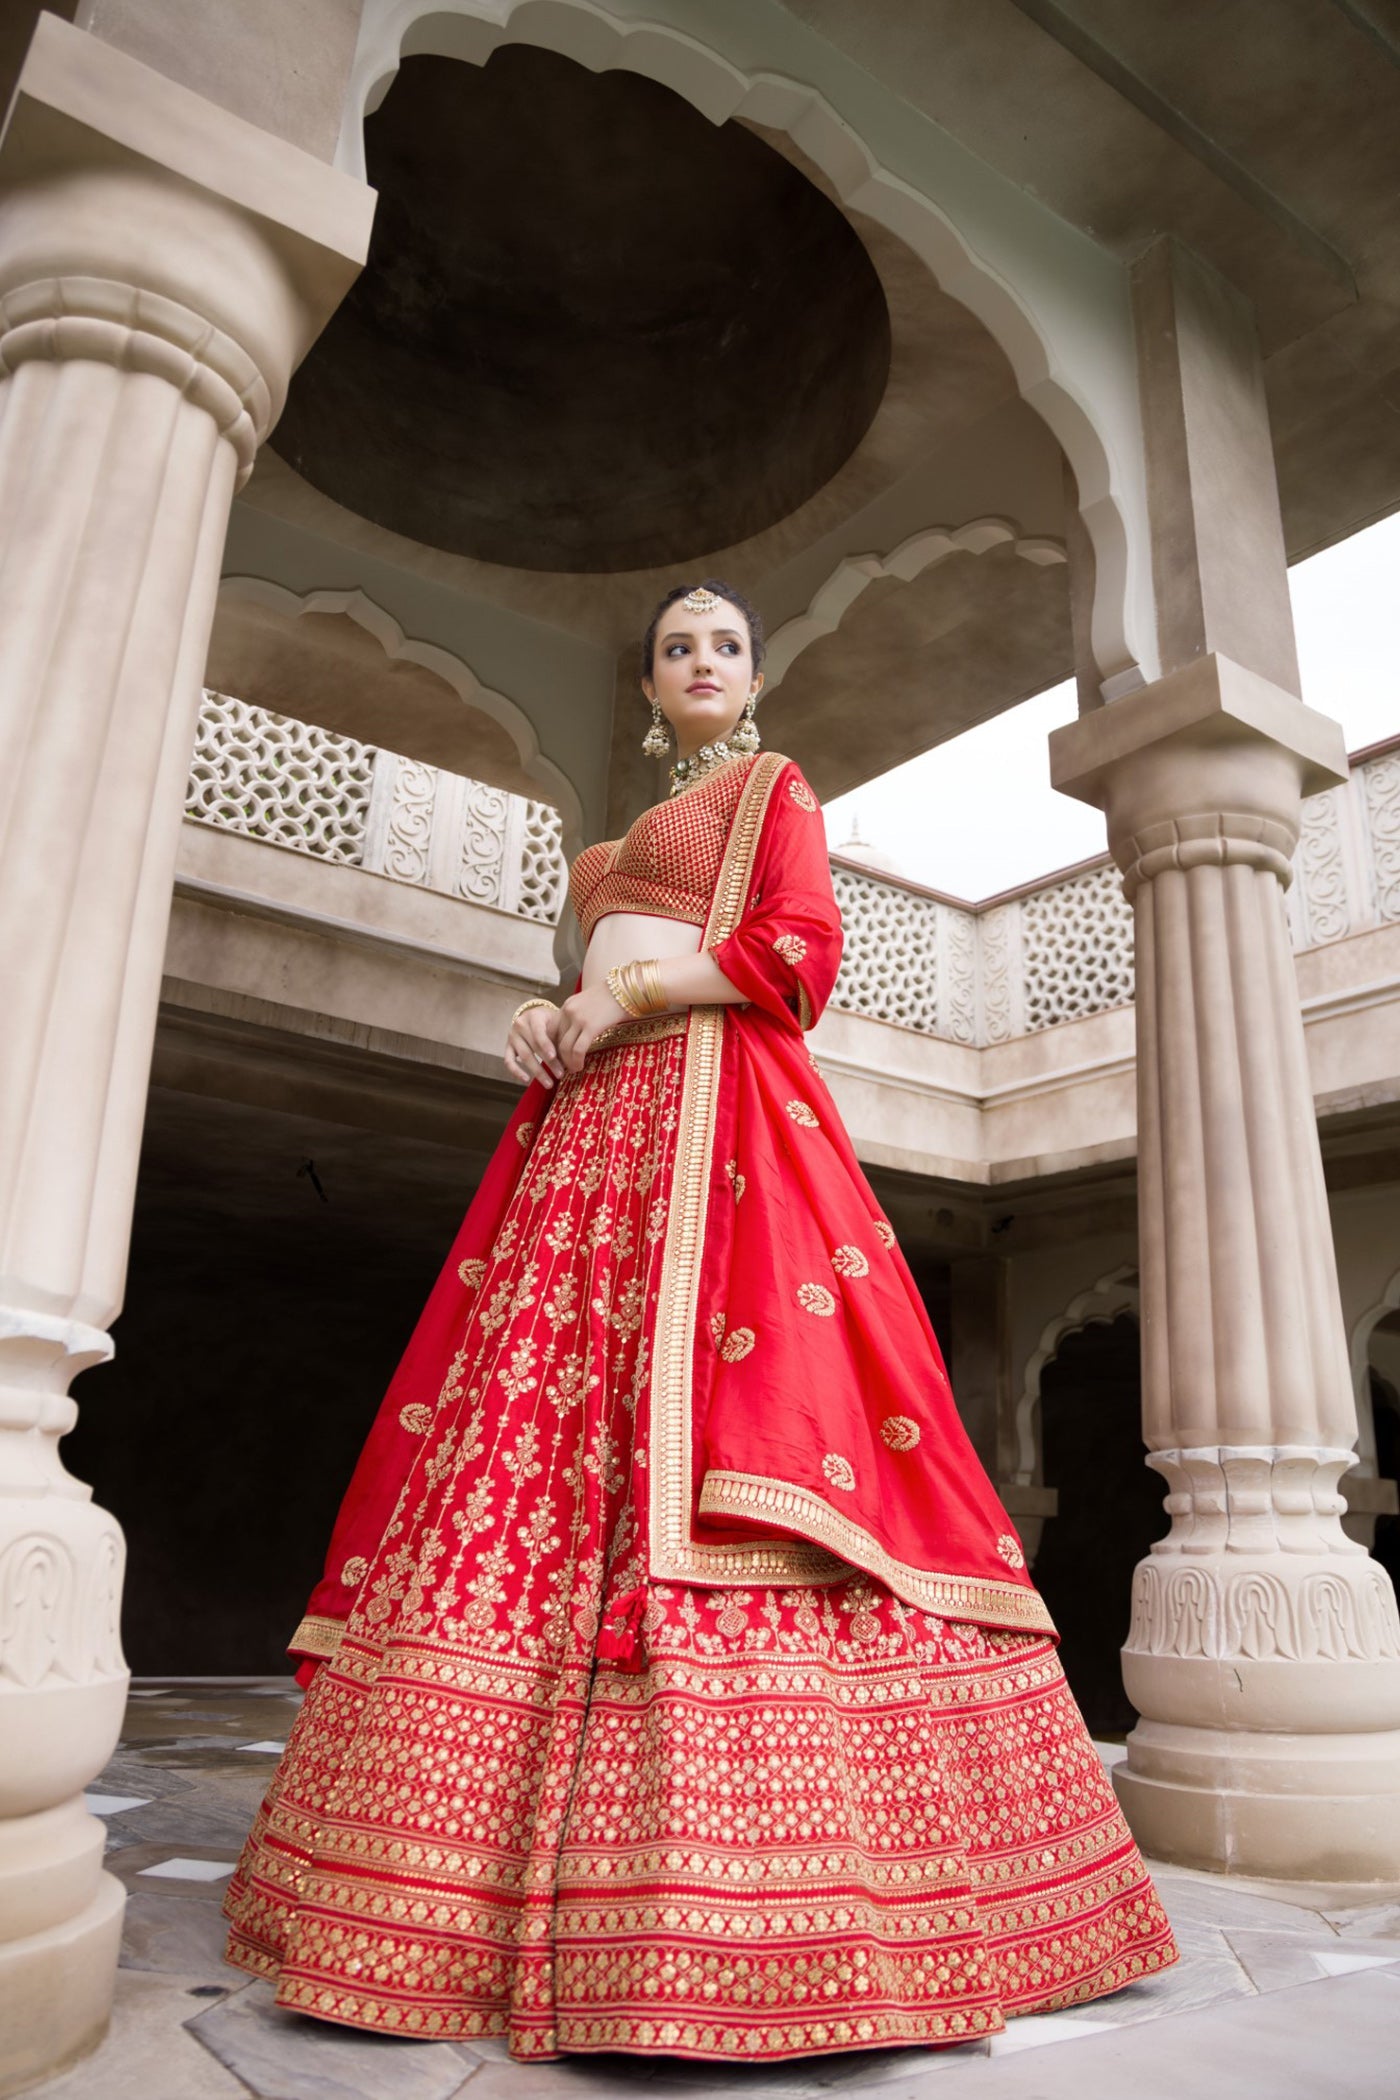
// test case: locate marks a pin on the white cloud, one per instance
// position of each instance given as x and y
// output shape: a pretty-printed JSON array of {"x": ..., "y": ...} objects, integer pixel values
[{"x": 978, "y": 814}]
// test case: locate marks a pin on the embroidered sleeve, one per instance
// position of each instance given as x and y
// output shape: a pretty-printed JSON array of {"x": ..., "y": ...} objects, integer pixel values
[{"x": 785, "y": 952}]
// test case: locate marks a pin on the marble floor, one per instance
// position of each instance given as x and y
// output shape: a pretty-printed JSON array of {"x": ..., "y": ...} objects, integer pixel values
[{"x": 1281, "y": 1994}]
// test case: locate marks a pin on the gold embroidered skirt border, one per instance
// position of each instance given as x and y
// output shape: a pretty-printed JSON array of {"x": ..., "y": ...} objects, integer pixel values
[{"x": 814, "y": 1821}]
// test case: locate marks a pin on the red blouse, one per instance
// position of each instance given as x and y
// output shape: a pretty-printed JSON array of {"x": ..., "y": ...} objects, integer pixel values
[{"x": 668, "y": 860}]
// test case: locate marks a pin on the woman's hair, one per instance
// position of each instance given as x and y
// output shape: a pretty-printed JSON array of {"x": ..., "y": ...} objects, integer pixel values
[{"x": 753, "y": 619}]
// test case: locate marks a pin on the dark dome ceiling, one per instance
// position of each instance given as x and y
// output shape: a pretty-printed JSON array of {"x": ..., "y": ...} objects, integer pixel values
[{"x": 596, "y": 332}]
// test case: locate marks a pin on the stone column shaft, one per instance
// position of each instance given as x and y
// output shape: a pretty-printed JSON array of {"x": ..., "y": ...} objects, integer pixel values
[
  {"x": 1264, "y": 1649},
  {"x": 154, "y": 299},
  {"x": 1243, "y": 1342},
  {"x": 101, "y": 627}
]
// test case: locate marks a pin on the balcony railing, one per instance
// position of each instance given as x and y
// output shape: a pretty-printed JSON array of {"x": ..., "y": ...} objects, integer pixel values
[
  {"x": 1051, "y": 951},
  {"x": 295, "y": 785}
]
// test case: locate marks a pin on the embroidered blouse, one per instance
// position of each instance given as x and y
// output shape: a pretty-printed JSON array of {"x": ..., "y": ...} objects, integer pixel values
[{"x": 668, "y": 862}]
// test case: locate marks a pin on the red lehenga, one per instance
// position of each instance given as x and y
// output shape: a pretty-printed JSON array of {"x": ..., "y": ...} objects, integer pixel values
[{"x": 683, "y": 1687}]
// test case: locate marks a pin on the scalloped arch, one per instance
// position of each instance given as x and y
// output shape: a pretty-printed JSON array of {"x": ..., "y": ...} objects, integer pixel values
[
  {"x": 454, "y": 671},
  {"x": 1123, "y": 617},
  {"x": 854, "y": 573},
  {"x": 1115, "y": 1293}
]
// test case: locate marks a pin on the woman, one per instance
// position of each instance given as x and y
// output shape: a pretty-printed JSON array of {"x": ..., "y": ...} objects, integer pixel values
[{"x": 676, "y": 1683}]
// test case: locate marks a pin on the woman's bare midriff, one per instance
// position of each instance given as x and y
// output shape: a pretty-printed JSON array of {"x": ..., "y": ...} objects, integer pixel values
[{"x": 632, "y": 936}]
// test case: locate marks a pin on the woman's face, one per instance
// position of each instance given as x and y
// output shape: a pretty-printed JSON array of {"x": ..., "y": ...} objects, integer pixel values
[{"x": 702, "y": 672}]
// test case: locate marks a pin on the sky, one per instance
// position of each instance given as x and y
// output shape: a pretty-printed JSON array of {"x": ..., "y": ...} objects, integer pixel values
[{"x": 978, "y": 814}]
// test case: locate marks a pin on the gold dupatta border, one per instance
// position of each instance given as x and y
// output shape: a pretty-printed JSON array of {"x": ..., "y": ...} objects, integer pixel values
[
  {"x": 750, "y": 1495},
  {"x": 317, "y": 1636},
  {"x": 674, "y": 1554}
]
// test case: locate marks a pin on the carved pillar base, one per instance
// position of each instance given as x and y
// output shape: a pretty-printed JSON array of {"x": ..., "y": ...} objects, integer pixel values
[
  {"x": 1264, "y": 1658},
  {"x": 1264, "y": 1649}
]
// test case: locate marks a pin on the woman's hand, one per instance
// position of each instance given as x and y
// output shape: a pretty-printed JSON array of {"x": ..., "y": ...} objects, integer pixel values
[
  {"x": 582, "y": 1016},
  {"x": 532, "y": 1045}
]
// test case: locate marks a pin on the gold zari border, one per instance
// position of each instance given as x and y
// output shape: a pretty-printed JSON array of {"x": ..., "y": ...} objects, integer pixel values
[
  {"x": 674, "y": 1554},
  {"x": 317, "y": 1636},
  {"x": 749, "y": 1495},
  {"x": 649, "y": 1028}
]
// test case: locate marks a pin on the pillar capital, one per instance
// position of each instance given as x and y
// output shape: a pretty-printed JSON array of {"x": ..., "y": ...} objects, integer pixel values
[
  {"x": 1209, "y": 763},
  {"x": 144, "y": 227}
]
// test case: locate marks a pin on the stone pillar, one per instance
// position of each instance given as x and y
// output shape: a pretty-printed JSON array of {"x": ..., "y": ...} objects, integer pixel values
[
  {"x": 163, "y": 266},
  {"x": 1264, "y": 1648}
]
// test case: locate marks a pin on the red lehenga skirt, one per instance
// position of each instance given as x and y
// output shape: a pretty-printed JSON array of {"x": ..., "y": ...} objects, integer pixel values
[{"x": 536, "y": 1794}]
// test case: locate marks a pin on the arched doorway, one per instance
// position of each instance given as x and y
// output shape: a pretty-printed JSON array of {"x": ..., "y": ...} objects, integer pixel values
[
  {"x": 1383, "y": 1374},
  {"x": 1110, "y": 1508}
]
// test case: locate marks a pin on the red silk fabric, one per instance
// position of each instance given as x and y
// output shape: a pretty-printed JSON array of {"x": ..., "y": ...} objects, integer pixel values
[
  {"x": 820, "y": 1409},
  {"x": 541, "y": 1789}
]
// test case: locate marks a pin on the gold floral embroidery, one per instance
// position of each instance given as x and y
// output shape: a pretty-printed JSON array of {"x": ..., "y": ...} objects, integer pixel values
[
  {"x": 472, "y": 1271},
  {"x": 839, "y": 1471},
  {"x": 416, "y": 1418},
  {"x": 791, "y": 947},
  {"x": 731, "y": 1168},
  {"x": 900, "y": 1432},
  {"x": 524, "y": 1133},
  {"x": 354, "y": 1571},
  {"x": 1010, "y": 1551},
  {"x": 885, "y": 1231},
  {"x": 737, "y": 1344},
  {"x": 802, "y": 1112},
  {"x": 849, "y": 1261},
  {"x": 717, "y": 1327},
  {"x": 801, "y": 794},
  {"x": 517, "y": 1378},
  {"x": 816, "y": 1298},
  {"x": 426, "y": 1928}
]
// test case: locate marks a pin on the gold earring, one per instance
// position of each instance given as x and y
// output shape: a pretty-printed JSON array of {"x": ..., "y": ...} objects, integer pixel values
[
  {"x": 744, "y": 738},
  {"x": 657, "y": 741}
]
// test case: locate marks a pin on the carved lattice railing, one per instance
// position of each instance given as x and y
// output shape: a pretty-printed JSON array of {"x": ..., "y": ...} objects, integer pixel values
[
  {"x": 1049, "y": 952},
  {"x": 1061, "y": 950},
  {"x": 295, "y": 785}
]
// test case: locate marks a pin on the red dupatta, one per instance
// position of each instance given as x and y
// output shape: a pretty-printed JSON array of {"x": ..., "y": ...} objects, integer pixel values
[{"x": 802, "y": 1419}]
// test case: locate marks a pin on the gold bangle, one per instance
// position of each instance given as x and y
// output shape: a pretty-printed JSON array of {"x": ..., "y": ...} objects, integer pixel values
[
  {"x": 652, "y": 972},
  {"x": 620, "y": 985},
  {"x": 641, "y": 1004},
  {"x": 526, "y": 1004},
  {"x": 647, "y": 980}
]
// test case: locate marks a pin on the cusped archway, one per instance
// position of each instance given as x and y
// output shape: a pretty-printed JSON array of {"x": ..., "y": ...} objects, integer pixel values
[
  {"x": 1057, "y": 307},
  {"x": 595, "y": 332}
]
